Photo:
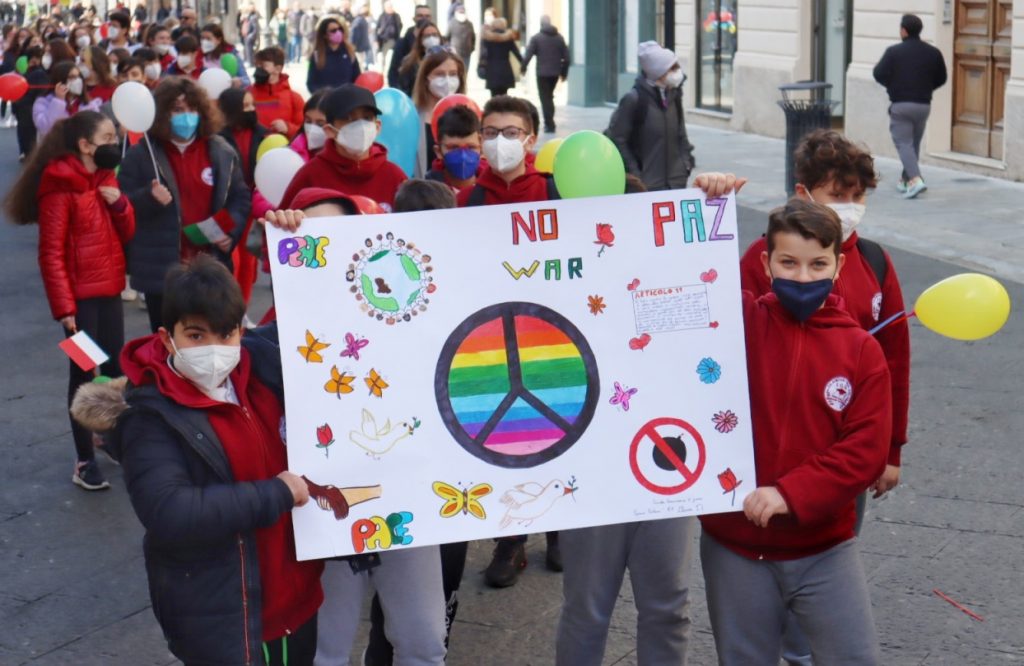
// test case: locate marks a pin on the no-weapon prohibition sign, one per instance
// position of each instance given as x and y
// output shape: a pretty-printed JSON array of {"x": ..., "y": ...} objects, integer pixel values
[{"x": 656, "y": 432}]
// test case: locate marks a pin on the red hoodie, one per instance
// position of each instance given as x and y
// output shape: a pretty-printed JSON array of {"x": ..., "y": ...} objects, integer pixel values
[
  {"x": 868, "y": 303},
  {"x": 277, "y": 101},
  {"x": 821, "y": 414},
  {"x": 531, "y": 186},
  {"x": 373, "y": 177},
  {"x": 250, "y": 435}
]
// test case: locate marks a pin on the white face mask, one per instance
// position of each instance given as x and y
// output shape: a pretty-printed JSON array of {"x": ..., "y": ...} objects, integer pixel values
[
  {"x": 315, "y": 137},
  {"x": 152, "y": 71},
  {"x": 674, "y": 78},
  {"x": 503, "y": 154},
  {"x": 47, "y": 61},
  {"x": 442, "y": 86},
  {"x": 113, "y": 33},
  {"x": 162, "y": 49},
  {"x": 357, "y": 136},
  {"x": 83, "y": 41},
  {"x": 460, "y": 17},
  {"x": 850, "y": 215},
  {"x": 431, "y": 41},
  {"x": 207, "y": 45},
  {"x": 84, "y": 71},
  {"x": 75, "y": 86},
  {"x": 207, "y": 366},
  {"x": 185, "y": 60}
]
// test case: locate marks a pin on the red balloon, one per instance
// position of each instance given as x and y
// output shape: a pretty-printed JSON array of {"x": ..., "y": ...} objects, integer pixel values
[
  {"x": 366, "y": 205},
  {"x": 12, "y": 87},
  {"x": 447, "y": 103},
  {"x": 372, "y": 81}
]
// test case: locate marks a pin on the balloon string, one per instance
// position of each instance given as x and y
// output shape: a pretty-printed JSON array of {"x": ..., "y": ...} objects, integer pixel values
[
  {"x": 156, "y": 171},
  {"x": 895, "y": 319}
]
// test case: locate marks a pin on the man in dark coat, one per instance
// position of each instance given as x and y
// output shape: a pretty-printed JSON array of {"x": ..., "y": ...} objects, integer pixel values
[
  {"x": 461, "y": 33},
  {"x": 403, "y": 46},
  {"x": 552, "y": 64}
]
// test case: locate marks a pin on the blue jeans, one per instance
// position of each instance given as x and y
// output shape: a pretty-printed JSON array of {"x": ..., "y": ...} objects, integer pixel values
[{"x": 295, "y": 48}]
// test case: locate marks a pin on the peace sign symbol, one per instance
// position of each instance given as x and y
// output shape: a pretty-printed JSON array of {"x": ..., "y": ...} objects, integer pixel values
[{"x": 516, "y": 384}]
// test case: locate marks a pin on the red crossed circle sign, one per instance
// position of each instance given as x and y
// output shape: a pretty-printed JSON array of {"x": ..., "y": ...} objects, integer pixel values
[{"x": 655, "y": 432}]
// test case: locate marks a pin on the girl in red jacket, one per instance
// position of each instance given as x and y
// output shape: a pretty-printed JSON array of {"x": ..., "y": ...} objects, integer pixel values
[
  {"x": 84, "y": 220},
  {"x": 822, "y": 415}
]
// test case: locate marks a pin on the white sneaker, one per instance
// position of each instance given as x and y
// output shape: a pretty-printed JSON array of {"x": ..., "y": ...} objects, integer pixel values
[{"x": 129, "y": 294}]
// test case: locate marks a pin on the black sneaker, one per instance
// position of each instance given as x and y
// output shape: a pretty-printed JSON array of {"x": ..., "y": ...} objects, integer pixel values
[
  {"x": 88, "y": 475},
  {"x": 507, "y": 563},
  {"x": 553, "y": 560}
]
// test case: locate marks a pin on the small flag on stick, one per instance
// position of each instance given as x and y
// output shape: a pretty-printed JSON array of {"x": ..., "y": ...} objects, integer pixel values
[{"x": 84, "y": 351}]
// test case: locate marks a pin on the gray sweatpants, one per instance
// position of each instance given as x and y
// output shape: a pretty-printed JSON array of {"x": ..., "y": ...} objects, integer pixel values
[
  {"x": 408, "y": 582},
  {"x": 906, "y": 124},
  {"x": 749, "y": 600},
  {"x": 658, "y": 554}
]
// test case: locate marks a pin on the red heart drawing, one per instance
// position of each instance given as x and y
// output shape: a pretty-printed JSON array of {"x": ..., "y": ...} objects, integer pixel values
[
  {"x": 634, "y": 284},
  {"x": 709, "y": 275},
  {"x": 713, "y": 324},
  {"x": 640, "y": 342}
]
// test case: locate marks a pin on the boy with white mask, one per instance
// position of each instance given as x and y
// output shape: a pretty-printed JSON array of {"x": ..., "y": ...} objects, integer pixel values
[
  {"x": 648, "y": 126},
  {"x": 352, "y": 161}
]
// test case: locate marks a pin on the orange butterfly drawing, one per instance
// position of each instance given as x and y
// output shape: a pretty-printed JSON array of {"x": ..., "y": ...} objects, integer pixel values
[
  {"x": 311, "y": 351},
  {"x": 375, "y": 383},
  {"x": 462, "y": 500},
  {"x": 339, "y": 383}
]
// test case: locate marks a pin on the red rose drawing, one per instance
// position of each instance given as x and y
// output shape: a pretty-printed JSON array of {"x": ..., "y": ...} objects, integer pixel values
[
  {"x": 605, "y": 237},
  {"x": 729, "y": 483},
  {"x": 324, "y": 438}
]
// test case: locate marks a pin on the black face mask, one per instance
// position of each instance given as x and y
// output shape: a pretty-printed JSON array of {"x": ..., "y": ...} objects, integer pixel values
[
  {"x": 107, "y": 156},
  {"x": 260, "y": 76},
  {"x": 249, "y": 119},
  {"x": 802, "y": 299}
]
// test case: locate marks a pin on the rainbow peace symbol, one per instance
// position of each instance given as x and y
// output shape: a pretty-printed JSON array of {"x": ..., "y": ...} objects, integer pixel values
[{"x": 516, "y": 384}]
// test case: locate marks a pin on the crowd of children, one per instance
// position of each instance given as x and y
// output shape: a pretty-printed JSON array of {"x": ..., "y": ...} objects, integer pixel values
[{"x": 197, "y": 422}]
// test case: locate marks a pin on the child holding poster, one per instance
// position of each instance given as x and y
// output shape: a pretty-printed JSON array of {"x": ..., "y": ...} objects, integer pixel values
[{"x": 822, "y": 415}]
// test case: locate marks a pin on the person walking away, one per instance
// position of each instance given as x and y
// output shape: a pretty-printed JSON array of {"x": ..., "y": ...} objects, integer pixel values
[
  {"x": 461, "y": 33},
  {"x": 69, "y": 187},
  {"x": 362, "y": 28},
  {"x": 295, "y": 16},
  {"x": 648, "y": 125},
  {"x": 552, "y": 64},
  {"x": 497, "y": 47},
  {"x": 910, "y": 71},
  {"x": 37, "y": 83},
  {"x": 333, "y": 61},
  {"x": 389, "y": 30},
  {"x": 422, "y": 15}
]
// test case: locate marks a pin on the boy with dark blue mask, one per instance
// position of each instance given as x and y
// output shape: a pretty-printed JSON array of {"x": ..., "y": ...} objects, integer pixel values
[{"x": 458, "y": 148}]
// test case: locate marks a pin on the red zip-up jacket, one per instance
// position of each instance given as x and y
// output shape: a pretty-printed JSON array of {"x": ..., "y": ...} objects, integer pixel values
[
  {"x": 821, "y": 414},
  {"x": 531, "y": 186},
  {"x": 277, "y": 101},
  {"x": 868, "y": 303},
  {"x": 374, "y": 177},
  {"x": 81, "y": 237}
]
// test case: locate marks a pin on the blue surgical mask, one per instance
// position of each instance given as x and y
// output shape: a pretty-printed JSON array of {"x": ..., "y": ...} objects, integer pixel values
[
  {"x": 802, "y": 299},
  {"x": 462, "y": 163},
  {"x": 184, "y": 125}
]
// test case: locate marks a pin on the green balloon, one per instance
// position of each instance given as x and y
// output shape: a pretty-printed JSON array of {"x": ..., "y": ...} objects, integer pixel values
[
  {"x": 588, "y": 164},
  {"x": 229, "y": 63},
  {"x": 21, "y": 64}
]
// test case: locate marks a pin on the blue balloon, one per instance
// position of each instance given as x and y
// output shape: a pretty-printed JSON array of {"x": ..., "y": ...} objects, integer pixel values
[{"x": 400, "y": 127}]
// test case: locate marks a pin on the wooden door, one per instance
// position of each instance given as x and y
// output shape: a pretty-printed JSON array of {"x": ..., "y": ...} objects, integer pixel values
[{"x": 981, "y": 68}]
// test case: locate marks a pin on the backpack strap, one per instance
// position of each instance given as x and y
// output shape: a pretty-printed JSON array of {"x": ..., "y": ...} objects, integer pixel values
[
  {"x": 875, "y": 255},
  {"x": 476, "y": 196}
]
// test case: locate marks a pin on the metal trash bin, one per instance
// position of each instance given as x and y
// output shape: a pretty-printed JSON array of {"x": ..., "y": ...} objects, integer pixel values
[{"x": 804, "y": 116}]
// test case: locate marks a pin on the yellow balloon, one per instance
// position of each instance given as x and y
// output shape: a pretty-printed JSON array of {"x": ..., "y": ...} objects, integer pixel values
[
  {"x": 968, "y": 306},
  {"x": 268, "y": 144},
  {"x": 546, "y": 156}
]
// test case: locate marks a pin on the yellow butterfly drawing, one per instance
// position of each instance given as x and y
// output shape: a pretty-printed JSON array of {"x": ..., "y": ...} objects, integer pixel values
[
  {"x": 375, "y": 383},
  {"x": 339, "y": 383},
  {"x": 311, "y": 352},
  {"x": 462, "y": 500}
]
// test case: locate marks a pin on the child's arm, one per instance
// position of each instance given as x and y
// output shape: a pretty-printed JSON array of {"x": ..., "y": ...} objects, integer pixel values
[{"x": 820, "y": 486}]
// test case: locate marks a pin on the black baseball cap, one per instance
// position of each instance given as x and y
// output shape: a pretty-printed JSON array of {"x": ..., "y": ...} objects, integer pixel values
[{"x": 345, "y": 99}]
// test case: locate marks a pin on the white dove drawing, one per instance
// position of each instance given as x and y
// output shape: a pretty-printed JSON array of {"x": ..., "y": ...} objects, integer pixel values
[
  {"x": 378, "y": 441},
  {"x": 529, "y": 501}
]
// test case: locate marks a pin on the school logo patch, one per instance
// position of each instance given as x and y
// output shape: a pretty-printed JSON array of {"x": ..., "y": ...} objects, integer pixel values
[
  {"x": 838, "y": 393},
  {"x": 876, "y": 306},
  {"x": 207, "y": 176}
]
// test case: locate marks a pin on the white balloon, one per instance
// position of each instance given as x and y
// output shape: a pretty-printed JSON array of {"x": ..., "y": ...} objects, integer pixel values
[
  {"x": 133, "y": 106},
  {"x": 274, "y": 172},
  {"x": 215, "y": 81}
]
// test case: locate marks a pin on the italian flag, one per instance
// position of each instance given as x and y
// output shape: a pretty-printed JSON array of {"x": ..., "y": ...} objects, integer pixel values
[{"x": 84, "y": 351}]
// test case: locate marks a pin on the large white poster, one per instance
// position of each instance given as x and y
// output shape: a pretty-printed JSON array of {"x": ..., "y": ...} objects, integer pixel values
[{"x": 461, "y": 374}]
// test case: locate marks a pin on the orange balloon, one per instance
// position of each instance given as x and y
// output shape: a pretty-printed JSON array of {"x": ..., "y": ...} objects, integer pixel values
[
  {"x": 366, "y": 205},
  {"x": 372, "y": 81},
  {"x": 447, "y": 103}
]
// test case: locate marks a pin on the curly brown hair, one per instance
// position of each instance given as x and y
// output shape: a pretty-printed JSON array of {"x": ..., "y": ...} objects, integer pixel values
[
  {"x": 824, "y": 156},
  {"x": 168, "y": 92}
]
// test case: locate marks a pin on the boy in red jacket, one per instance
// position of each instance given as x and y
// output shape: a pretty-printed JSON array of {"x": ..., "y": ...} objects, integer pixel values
[
  {"x": 356, "y": 165},
  {"x": 822, "y": 414},
  {"x": 277, "y": 105},
  {"x": 509, "y": 135}
]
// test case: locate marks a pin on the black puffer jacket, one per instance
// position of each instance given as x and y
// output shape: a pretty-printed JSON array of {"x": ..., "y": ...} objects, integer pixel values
[
  {"x": 496, "y": 64},
  {"x": 551, "y": 51},
  {"x": 156, "y": 246}
]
